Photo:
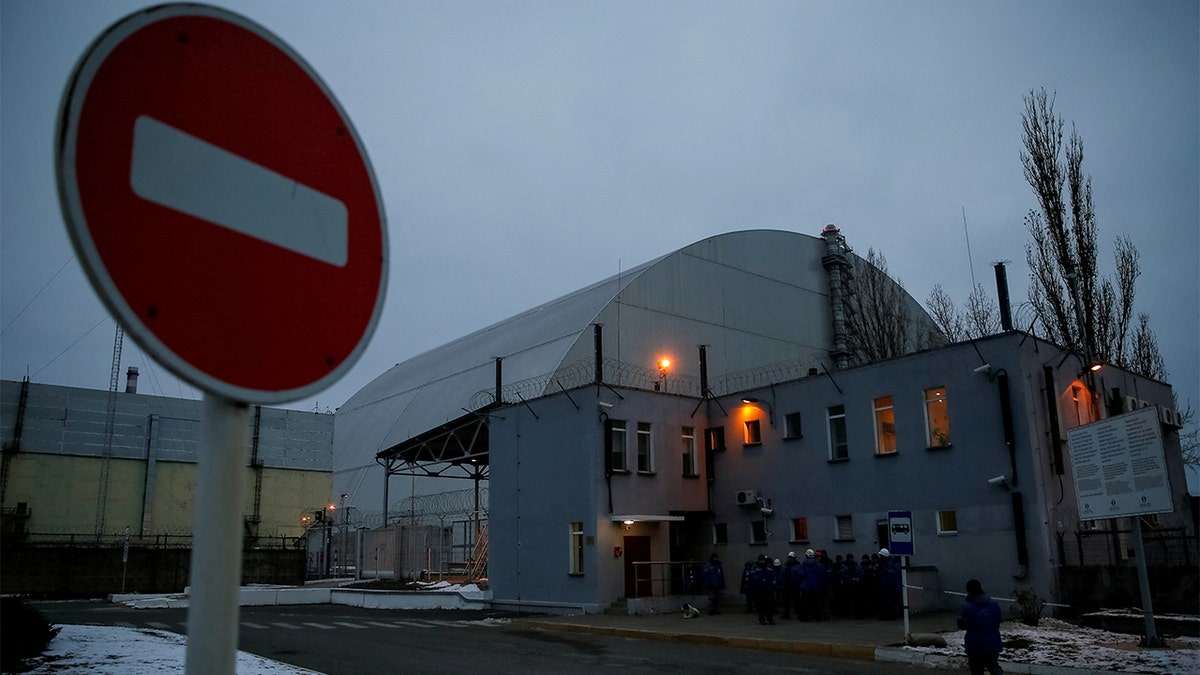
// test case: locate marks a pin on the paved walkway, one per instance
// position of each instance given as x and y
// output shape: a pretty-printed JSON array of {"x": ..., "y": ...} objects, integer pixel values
[
  {"x": 865, "y": 639},
  {"x": 853, "y": 638}
]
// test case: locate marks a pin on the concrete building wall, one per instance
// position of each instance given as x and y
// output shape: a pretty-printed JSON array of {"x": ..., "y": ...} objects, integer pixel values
[
  {"x": 55, "y": 442},
  {"x": 549, "y": 471}
]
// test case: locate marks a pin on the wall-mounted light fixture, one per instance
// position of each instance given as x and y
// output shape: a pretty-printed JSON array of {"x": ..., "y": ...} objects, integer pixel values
[
  {"x": 750, "y": 400},
  {"x": 664, "y": 367}
]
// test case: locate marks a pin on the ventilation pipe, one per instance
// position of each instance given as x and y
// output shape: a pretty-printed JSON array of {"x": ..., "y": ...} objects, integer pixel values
[
  {"x": 837, "y": 266},
  {"x": 598, "y": 347},
  {"x": 703, "y": 371},
  {"x": 131, "y": 378},
  {"x": 1002, "y": 298}
]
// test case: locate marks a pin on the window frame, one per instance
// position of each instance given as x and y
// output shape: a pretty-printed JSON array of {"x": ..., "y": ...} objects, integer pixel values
[
  {"x": 618, "y": 429},
  {"x": 799, "y": 527},
  {"x": 792, "y": 426},
  {"x": 838, "y": 419},
  {"x": 714, "y": 438},
  {"x": 841, "y": 533},
  {"x": 752, "y": 432},
  {"x": 932, "y": 399},
  {"x": 645, "y": 448},
  {"x": 575, "y": 542},
  {"x": 691, "y": 466},
  {"x": 940, "y": 517},
  {"x": 755, "y": 527},
  {"x": 884, "y": 414}
]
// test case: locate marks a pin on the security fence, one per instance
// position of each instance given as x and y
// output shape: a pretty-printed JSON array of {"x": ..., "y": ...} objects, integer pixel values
[{"x": 426, "y": 537}]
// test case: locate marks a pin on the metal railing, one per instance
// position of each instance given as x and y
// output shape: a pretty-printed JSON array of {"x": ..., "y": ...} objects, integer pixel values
[{"x": 660, "y": 578}]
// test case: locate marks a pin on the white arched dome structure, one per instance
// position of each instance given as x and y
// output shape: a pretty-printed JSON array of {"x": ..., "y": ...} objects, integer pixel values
[{"x": 747, "y": 308}]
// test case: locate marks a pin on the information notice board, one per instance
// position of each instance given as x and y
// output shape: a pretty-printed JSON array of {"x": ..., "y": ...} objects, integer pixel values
[{"x": 1119, "y": 465}]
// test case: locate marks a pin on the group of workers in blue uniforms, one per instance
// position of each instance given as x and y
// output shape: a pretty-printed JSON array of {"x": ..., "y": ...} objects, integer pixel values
[{"x": 817, "y": 588}]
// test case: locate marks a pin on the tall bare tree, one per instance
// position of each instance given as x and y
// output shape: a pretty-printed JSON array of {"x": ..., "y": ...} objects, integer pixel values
[
  {"x": 979, "y": 317},
  {"x": 1074, "y": 305},
  {"x": 880, "y": 322}
]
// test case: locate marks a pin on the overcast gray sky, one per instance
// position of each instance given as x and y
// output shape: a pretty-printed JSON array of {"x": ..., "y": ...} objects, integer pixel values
[{"x": 526, "y": 149}]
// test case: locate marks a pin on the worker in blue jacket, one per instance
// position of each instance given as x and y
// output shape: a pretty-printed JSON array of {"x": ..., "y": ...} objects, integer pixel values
[{"x": 980, "y": 617}]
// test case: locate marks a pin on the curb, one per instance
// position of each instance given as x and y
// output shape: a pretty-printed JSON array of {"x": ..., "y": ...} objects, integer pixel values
[
  {"x": 844, "y": 651},
  {"x": 859, "y": 652}
]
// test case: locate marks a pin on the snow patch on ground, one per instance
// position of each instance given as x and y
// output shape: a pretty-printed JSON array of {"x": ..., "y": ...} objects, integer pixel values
[
  {"x": 446, "y": 587},
  {"x": 111, "y": 650},
  {"x": 1058, "y": 643}
]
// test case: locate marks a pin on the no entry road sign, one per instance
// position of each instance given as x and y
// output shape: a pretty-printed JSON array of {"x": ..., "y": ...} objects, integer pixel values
[{"x": 221, "y": 203}]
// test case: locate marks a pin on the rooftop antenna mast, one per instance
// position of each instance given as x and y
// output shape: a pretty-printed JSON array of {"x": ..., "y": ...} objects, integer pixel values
[{"x": 970, "y": 262}]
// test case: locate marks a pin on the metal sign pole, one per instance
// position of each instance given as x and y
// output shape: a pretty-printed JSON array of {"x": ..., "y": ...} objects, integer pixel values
[
  {"x": 904, "y": 598},
  {"x": 1139, "y": 550},
  {"x": 216, "y": 572}
]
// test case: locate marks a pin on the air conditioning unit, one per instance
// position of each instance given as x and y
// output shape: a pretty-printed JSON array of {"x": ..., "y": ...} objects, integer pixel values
[
  {"x": 1170, "y": 417},
  {"x": 747, "y": 497},
  {"x": 1129, "y": 404}
]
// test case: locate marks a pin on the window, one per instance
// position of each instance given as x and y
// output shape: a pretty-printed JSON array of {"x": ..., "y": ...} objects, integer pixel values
[
  {"x": 838, "y": 447},
  {"x": 844, "y": 528},
  {"x": 616, "y": 445},
  {"x": 720, "y": 533},
  {"x": 576, "y": 542},
  {"x": 758, "y": 532},
  {"x": 947, "y": 522},
  {"x": 753, "y": 434},
  {"x": 885, "y": 426},
  {"x": 937, "y": 420},
  {"x": 645, "y": 457},
  {"x": 688, "y": 436},
  {"x": 714, "y": 438},
  {"x": 799, "y": 529},
  {"x": 791, "y": 425}
]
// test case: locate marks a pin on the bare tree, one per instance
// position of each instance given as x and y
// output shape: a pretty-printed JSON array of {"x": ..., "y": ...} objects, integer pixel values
[
  {"x": 880, "y": 321},
  {"x": 978, "y": 318},
  {"x": 946, "y": 314},
  {"x": 1074, "y": 305}
]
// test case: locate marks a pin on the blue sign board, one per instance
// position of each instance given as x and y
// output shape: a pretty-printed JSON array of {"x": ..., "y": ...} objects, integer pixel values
[{"x": 900, "y": 533}]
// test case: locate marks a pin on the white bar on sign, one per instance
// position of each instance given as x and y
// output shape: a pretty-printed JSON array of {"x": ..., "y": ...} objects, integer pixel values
[{"x": 174, "y": 169}]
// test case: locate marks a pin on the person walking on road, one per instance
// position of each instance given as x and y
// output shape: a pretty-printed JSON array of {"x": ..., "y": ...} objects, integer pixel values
[{"x": 980, "y": 617}]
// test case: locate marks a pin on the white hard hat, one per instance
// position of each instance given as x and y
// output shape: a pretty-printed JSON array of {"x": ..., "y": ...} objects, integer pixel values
[{"x": 884, "y": 552}]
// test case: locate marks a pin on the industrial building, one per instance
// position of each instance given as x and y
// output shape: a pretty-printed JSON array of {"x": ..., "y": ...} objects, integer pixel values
[
  {"x": 711, "y": 400},
  {"x": 83, "y": 465}
]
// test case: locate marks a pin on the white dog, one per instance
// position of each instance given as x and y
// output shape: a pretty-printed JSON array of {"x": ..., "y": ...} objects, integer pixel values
[{"x": 690, "y": 612}]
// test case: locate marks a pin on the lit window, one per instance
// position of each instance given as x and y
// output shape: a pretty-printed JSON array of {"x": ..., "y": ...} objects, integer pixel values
[
  {"x": 689, "y": 452},
  {"x": 845, "y": 528},
  {"x": 576, "y": 543},
  {"x": 720, "y": 533},
  {"x": 947, "y": 522},
  {"x": 753, "y": 434},
  {"x": 791, "y": 425},
  {"x": 838, "y": 446},
  {"x": 799, "y": 529},
  {"x": 885, "y": 426},
  {"x": 758, "y": 532},
  {"x": 645, "y": 453},
  {"x": 937, "y": 419},
  {"x": 616, "y": 444},
  {"x": 714, "y": 438}
]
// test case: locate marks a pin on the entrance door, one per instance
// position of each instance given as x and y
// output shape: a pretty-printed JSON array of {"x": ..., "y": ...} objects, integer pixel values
[{"x": 637, "y": 577}]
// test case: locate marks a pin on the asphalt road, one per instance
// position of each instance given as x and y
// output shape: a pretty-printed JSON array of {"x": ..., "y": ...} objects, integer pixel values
[{"x": 336, "y": 639}]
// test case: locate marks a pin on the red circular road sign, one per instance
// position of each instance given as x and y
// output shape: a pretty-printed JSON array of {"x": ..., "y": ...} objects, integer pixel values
[{"x": 221, "y": 203}]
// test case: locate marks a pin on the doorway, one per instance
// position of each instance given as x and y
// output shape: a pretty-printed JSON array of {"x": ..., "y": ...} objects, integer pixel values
[{"x": 638, "y": 578}]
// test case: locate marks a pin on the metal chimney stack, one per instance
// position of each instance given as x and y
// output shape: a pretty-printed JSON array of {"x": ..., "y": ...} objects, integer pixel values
[
  {"x": 1002, "y": 298},
  {"x": 131, "y": 378}
]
